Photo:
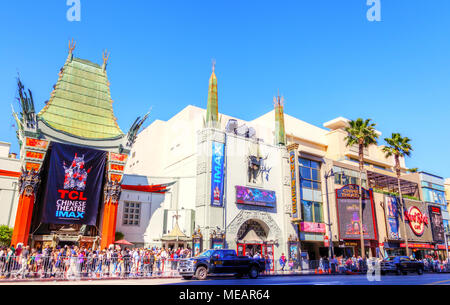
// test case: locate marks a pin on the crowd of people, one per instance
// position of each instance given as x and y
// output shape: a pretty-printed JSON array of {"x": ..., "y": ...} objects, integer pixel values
[
  {"x": 356, "y": 264},
  {"x": 72, "y": 262},
  {"x": 78, "y": 262}
]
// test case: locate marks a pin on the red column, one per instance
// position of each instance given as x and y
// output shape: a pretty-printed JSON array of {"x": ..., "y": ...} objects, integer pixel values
[
  {"x": 23, "y": 220},
  {"x": 109, "y": 224},
  {"x": 112, "y": 191},
  {"x": 106, "y": 225}
]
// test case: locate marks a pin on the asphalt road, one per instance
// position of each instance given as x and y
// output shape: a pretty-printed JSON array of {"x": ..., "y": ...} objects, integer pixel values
[{"x": 410, "y": 279}]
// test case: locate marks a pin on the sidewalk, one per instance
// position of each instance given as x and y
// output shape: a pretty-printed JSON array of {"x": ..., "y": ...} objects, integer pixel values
[
  {"x": 172, "y": 275},
  {"x": 163, "y": 276}
]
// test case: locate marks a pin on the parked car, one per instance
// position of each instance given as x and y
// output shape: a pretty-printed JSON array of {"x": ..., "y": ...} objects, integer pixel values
[
  {"x": 221, "y": 261},
  {"x": 401, "y": 265}
]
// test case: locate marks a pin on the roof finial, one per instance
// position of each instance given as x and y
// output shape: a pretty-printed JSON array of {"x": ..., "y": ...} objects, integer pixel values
[
  {"x": 278, "y": 101},
  {"x": 72, "y": 46},
  {"x": 213, "y": 65},
  {"x": 105, "y": 58}
]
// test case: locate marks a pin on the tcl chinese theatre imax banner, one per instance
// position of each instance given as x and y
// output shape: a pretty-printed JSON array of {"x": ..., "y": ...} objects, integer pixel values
[{"x": 74, "y": 185}]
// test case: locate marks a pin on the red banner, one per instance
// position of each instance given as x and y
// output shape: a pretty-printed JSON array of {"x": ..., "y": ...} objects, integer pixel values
[
  {"x": 36, "y": 143},
  {"x": 31, "y": 165},
  {"x": 117, "y": 167},
  {"x": 34, "y": 155},
  {"x": 118, "y": 157}
]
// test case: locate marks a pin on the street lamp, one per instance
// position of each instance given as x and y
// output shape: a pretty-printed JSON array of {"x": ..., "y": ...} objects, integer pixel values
[
  {"x": 330, "y": 245},
  {"x": 329, "y": 174}
]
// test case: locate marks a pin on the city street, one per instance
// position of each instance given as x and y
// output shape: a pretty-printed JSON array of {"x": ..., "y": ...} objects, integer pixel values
[{"x": 410, "y": 279}]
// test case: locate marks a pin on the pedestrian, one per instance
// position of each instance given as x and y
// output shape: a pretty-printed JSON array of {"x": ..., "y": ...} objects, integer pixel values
[{"x": 282, "y": 261}]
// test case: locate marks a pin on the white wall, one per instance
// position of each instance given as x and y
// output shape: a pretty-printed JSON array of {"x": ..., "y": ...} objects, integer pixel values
[{"x": 8, "y": 186}]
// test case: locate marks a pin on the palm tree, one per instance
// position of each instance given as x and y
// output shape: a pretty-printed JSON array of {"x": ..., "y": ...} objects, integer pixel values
[
  {"x": 362, "y": 133},
  {"x": 399, "y": 146}
]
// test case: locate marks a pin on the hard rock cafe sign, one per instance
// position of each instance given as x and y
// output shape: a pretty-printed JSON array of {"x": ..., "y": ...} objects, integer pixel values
[{"x": 417, "y": 220}]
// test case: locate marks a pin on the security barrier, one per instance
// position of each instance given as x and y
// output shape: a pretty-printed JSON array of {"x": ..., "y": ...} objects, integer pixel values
[{"x": 76, "y": 267}]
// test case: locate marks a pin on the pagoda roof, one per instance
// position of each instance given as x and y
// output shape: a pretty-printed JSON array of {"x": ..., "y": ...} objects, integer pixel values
[
  {"x": 175, "y": 234},
  {"x": 80, "y": 104}
]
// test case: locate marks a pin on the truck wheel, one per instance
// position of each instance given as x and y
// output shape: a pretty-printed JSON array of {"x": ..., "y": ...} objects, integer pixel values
[
  {"x": 187, "y": 277},
  {"x": 201, "y": 273},
  {"x": 420, "y": 271},
  {"x": 398, "y": 271},
  {"x": 254, "y": 272}
]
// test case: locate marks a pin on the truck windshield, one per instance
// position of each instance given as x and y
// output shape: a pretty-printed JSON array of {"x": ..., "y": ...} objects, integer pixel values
[{"x": 207, "y": 253}]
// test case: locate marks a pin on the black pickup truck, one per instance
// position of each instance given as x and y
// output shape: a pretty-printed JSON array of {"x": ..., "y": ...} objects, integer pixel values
[
  {"x": 401, "y": 265},
  {"x": 221, "y": 261}
]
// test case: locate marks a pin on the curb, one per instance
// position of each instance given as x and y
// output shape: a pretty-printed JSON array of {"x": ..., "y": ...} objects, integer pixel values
[{"x": 166, "y": 277}]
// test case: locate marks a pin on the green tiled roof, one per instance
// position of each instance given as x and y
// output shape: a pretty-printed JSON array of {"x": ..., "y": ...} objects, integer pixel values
[
  {"x": 81, "y": 104},
  {"x": 212, "y": 109}
]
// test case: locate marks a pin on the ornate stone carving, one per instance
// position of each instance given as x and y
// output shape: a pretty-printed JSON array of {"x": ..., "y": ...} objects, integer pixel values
[
  {"x": 112, "y": 191},
  {"x": 29, "y": 182},
  {"x": 287, "y": 180},
  {"x": 217, "y": 235},
  {"x": 274, "y": 233}
]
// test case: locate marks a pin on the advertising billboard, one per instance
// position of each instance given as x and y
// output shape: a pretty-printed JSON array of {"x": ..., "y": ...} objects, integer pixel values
[
  {"x": 347, "y": 201},
  {"x": 417, "y": 221},
  {"x": 74, "y": 186},
  {"x": 392, "y": 217},
  {"x": 217, "y": 173},
  {"x": 437, "y": 225},
  {"x": 312, "y": 227},
  {"x": 253, "y": 196}
]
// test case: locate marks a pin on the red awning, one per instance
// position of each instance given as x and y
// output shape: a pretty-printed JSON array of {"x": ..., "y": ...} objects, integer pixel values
[{"x": 158, "y": 188}]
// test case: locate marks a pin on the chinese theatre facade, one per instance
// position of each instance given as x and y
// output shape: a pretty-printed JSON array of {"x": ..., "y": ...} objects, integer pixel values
[{"x": 73, "y": 156}]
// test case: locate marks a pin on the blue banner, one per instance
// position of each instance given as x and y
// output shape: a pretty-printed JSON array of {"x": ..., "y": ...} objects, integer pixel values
[
  {"x": 392, "y": 216},
  {"x": 74, "y": 185},
  {"x": 217, "y": 173}
]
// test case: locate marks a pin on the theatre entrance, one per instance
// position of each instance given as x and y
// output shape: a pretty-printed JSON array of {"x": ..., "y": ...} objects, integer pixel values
[{"x": 252, "y": 240}]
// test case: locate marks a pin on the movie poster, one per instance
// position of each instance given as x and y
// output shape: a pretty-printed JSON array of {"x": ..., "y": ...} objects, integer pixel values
[
  {"x": 348, "y": 213},
  {"x": 437, "y": 224},
  {"x": 74, "y": 185},
  {"x": 392, "y": 216},
  {"x": 196, "y": 248},
  {"x": 258, "y": 197}
]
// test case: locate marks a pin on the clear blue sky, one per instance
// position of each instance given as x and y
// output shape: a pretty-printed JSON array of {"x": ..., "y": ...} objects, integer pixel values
[{"x": 326, "y": 58}]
